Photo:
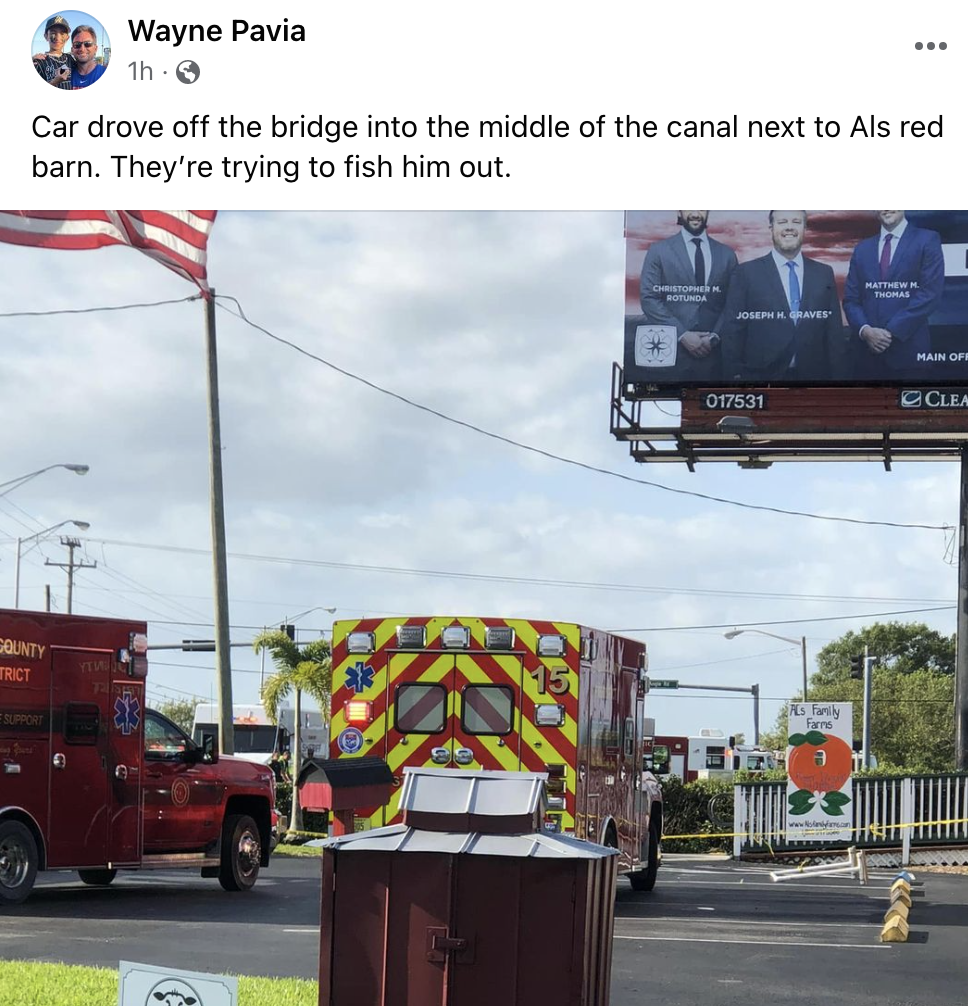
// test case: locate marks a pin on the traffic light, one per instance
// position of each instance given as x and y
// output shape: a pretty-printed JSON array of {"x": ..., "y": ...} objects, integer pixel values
[
  {"x": 857, "y": 666},
  {"x": 289, "y": 630}
]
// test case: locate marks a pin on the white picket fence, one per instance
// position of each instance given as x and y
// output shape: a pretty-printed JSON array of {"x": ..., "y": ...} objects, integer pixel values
[{"x": 916, "y": 819}]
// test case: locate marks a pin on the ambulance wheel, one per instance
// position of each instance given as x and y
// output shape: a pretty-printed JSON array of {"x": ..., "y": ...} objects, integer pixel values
[
  {"x": 18, "y": 862},
  {"x": 644, "y": 880},
  {"x": 97, "y": 878},
  {"x": 241, "y": 853}
]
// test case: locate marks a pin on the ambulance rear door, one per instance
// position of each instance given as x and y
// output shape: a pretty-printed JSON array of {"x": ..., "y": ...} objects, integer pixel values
[
  {"x": 78, "y": 796},
  {"x": 419, "y": 701},
  {"x": 486, "y": 720}
]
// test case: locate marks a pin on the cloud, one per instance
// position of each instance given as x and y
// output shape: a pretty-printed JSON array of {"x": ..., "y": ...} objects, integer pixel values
[{"x": 507, "y": 321}]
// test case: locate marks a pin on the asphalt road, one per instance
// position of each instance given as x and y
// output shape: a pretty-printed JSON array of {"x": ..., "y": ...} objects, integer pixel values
[{"x": 714, "y": 933}]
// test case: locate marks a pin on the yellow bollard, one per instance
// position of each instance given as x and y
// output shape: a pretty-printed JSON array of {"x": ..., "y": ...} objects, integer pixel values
[
  {"x": 895, "y": 931},
  {"x": 900, "y": 895}
]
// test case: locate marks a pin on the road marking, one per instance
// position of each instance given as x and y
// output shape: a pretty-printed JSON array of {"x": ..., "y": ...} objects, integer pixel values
[
  {"x": 703, "y": 908},
  {"x": 806, "y": 887},
  {"x": 756, "y": 943},
  {"x": 722, "y": 921},
  {"x": 315, "y": 930}
]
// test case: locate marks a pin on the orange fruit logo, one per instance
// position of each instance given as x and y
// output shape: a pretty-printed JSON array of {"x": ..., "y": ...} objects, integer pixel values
[{"x": 818, "y": 765}]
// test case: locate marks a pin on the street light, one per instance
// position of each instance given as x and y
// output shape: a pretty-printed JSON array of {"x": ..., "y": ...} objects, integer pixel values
[
  {"x": 309, "y": 611},
  {"x": 9, "y": 486},
  {"x": 82, "y": 524},
  {"x": 801, "y": 642}
]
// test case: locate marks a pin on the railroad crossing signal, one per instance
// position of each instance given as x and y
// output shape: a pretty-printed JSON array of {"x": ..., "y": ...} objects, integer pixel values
[{"x": 663, "y": 683}]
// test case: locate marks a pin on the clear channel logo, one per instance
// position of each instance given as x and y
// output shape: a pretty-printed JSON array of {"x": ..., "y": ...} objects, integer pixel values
[{"x": 933, "y": 398}]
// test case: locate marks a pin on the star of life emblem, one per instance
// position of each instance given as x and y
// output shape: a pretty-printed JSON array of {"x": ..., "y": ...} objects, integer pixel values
[
  {"x": 656, "y": 345},
  {"x": 127, "y": 712}
]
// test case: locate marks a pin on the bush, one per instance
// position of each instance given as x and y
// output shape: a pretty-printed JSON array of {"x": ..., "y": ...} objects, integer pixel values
[
  {"x": 686, "y": 812},
  {"x": 313, "y": 821}
]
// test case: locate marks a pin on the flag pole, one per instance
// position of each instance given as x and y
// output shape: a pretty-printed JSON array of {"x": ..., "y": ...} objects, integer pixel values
[{"x": 223, "y": 653}]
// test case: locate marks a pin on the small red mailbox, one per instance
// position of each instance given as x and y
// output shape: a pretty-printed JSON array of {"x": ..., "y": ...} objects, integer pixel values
[
  {"x": 466, "y": 903},
  {"x": 340, "y": 785}
]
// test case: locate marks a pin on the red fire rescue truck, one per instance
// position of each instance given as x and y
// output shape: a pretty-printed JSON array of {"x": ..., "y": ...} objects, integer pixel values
[
  {"x": 507, "y": 694},
  {"x": 91, "y": 780}
]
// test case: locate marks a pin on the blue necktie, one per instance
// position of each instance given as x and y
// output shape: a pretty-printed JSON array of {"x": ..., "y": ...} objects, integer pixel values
[{"x": 794, "y": 292}]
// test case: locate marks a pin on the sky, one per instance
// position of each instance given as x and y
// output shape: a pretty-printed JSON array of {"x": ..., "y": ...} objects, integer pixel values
[{"x": 337, "y": 495}]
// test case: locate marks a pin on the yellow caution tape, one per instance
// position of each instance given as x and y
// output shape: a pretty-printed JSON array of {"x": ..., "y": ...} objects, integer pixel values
[
  {"x": 877, "y": 830},
  {"x": 881, "y": 830}
]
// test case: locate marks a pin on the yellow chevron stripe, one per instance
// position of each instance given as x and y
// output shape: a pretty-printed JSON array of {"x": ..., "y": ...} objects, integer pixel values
[{"x": 438, "y": 669}]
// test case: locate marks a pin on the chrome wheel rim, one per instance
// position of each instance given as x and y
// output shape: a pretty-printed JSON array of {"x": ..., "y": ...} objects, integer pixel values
[
  {"x": 250, "y": 853},
  {"x": 14, "y": 864}
]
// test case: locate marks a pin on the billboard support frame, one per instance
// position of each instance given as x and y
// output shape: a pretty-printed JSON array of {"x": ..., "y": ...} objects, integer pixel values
[
  {"x": 961, "y": 633},
  {"x": 867, "y": 425}
]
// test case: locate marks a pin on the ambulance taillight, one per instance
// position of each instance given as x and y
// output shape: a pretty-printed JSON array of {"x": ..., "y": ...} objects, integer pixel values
[
  {"x": 134, "y": 657},
  {"x": 547, "y": 714},
  {"x": 358, "y": 712}
]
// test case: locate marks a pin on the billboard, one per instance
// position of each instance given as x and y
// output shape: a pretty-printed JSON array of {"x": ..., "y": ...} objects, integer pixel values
[
  {"x": 819, "y": 760},
  {"x": 794, "y": 298}
]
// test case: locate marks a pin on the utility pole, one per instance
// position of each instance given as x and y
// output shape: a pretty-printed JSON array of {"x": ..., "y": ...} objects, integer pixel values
[
  {"x": 868, "y": 687},
  {"x": 961, "y": 652},
  {"x": 70, "y": 544},
  {"x": 803, "y": 654},
  {"x": 223, "y": 655}
]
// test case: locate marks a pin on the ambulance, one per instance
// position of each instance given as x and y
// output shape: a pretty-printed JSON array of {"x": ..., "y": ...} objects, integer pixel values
[
  {"x": 506, "y": 694},
  {"x": 91, "y": 780}
]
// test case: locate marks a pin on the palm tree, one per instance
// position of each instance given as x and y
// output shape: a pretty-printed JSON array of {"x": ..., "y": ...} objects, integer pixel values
[{"x": 298, "y": 669}]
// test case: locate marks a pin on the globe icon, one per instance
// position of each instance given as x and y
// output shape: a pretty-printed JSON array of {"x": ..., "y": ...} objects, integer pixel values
[{"x": 187, "y": 71}]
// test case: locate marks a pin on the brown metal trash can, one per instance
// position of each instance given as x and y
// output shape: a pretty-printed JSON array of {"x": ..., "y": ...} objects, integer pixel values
[{"x": 442, "y": 915}]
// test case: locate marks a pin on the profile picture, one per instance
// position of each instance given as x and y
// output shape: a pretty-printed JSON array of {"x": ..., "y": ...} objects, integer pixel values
[{"x": 70, "y": 50}]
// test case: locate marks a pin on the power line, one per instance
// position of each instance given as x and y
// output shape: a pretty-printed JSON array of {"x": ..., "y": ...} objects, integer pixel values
[
  {"x": 95, "y": 310},
  {"x": 241, "y": 316},
  {"x": 786, "y": 698},
  {"x": 715, "y": 663},
  {"x": 550, "y": 455},
  {"x": 784, "y": 621},
  {"x": 527, "y": 580}
]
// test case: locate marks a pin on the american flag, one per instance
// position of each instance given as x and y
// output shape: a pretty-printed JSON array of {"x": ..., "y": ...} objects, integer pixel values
[{"x": 175, "y": 238}]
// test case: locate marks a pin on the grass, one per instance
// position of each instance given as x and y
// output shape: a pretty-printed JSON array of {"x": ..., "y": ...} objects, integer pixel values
[
  {"x": 284, "y": 849},
  {"x": 24, "y": 983}
]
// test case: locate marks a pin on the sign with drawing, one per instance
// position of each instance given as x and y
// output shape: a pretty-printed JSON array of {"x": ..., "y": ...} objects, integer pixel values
[
  {"x": 147, "y": 985},
  {"x": 819, "y": 761}
]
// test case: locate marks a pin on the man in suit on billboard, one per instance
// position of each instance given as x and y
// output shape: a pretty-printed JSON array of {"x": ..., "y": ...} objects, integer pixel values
[
  {"x": 683, "y": 293},
  {"x": 783, "y": 320},
  {"x": 894, "y": 282}
]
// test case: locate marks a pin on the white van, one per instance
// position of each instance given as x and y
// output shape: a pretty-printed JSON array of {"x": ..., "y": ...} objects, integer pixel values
[{"x": 256, "y": 737}]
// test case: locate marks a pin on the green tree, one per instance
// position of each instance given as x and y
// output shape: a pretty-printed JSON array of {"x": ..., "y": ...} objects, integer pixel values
[
  {"x": 299, "y": 669},
  {"x": 179, "y": 711},
  {"x": 912, "y": 697}
]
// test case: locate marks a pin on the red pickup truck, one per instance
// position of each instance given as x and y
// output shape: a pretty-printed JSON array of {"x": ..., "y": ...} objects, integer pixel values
[{"x": 91, "y": 780}]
